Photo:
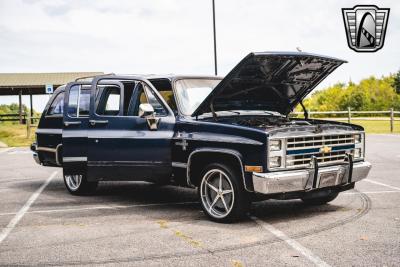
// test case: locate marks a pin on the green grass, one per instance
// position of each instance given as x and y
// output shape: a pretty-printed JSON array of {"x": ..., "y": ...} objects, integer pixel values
[
  {"x": 378, "y": 126},
  {"x": 15, "y": 135}
]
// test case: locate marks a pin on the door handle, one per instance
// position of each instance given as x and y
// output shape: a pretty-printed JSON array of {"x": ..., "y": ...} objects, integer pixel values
[
  {"x": 94, "y": 122},
  {"x": 68, "y": 123}
]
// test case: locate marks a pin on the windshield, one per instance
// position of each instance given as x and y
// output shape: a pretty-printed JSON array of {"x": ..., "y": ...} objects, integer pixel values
[{"x": 191, "y": 92}]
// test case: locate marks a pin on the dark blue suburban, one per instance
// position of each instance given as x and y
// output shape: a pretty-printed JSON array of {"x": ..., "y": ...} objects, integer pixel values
[{"x": 232, "y": 138}]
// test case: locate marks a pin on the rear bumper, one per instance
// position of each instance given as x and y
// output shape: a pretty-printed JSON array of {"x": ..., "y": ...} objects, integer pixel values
[
  {"x": 35, "y": 153},
  {"x": 309, "y": 179},
  {"x": 36, "y": 158}
]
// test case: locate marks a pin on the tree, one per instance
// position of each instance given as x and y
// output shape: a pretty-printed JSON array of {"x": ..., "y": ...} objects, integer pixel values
[
  {"x": 369, "y": 94},
  {"x": 396, "y": 82}
]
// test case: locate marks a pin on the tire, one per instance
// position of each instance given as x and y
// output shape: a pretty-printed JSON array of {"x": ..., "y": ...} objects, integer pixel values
[
  {"x": 77, "y": 184},
  {"x": 222, "y": 194},
  {"x": 320, "y": 200}
]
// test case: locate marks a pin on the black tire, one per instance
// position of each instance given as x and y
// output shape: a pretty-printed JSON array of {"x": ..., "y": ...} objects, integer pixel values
[
  {"x": 320, "y": 200},
  {"x": 238, "y": 203},
  {"x": 84, "y": 187}
]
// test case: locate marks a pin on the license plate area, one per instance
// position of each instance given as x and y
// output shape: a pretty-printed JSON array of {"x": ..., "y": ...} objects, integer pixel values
[{"x": 330, "y": 178}]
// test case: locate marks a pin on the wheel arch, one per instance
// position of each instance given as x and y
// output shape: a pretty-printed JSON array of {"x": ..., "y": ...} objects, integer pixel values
[{"x": 203, "y": 156}]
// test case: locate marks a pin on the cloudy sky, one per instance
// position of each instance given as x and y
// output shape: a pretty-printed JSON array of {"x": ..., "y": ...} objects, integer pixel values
[{"x": 175, "y": 36}]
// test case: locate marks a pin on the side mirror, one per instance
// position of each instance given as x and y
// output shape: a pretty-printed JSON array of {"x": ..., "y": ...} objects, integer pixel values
[{"x": 146, "y": 110}]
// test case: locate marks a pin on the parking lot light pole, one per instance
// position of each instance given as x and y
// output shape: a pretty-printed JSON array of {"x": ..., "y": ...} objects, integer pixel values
[{"x": 215, "y": 39}]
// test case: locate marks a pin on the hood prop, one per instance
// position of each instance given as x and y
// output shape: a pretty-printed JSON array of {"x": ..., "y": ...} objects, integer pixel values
[
  {"x": 213, "y": 111},
  {"x": 305, "y": 112}
]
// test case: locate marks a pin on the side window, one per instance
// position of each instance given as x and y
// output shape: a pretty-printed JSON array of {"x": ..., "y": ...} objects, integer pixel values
[
  {"x": 78, "y": 101},
  {"x": 57, "y": 107},
  {"x": 143, "y": 95},
  {"x": 109, "y": 103},
  {"x": 153, "y": 100}
]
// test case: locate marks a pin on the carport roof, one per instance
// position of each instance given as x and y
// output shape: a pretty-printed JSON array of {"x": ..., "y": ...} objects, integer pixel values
[
  {"x": 12, "y": 83},
  {"x": 39, "y": 79}
]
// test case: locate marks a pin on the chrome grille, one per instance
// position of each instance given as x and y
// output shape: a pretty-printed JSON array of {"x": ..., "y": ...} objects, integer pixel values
[
  {"x": 300, "y": 150},
  {"x": 319, "y": 141}
]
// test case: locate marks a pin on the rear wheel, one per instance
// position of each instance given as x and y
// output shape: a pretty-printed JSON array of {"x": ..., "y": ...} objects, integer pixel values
[
  {"x": 320, "y": 200},
  {"x": 222, "y": 194},
  {"x": 77, "y": 184}
]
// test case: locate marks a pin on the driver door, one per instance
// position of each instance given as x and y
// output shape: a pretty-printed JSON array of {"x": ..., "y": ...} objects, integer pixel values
[{"x": 121, "y": 144}]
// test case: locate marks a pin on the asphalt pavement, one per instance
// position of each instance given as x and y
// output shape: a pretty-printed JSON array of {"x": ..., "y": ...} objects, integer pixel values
[{"x": 140, "y": 224}]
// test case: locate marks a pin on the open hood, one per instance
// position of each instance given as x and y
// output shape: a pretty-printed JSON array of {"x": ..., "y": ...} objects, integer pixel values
[{"x": 273, "y": 81}]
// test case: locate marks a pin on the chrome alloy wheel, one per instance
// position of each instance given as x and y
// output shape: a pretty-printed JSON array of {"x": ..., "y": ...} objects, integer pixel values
[
  {"x": 73, "y": 181},
  {"x": 217, "y": 193}
]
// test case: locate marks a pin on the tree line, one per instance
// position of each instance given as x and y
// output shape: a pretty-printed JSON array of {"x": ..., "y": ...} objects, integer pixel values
[{"x": 369, "y": 94}]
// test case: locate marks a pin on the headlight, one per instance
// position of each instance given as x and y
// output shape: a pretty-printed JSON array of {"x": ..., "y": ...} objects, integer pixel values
[
  {"x": 357, "y": 138},
  {"x": 357, "y": 153},
  {"x": 275, "y": 162},
  {"x": 275, "y": 145}
]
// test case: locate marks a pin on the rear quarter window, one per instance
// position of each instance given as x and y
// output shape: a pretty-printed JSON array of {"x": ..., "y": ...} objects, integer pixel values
[{"x": 57, "y": 106}]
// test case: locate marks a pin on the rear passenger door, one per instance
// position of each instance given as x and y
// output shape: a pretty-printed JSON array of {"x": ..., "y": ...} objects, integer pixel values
[
  {"x": 75, "y": 125},
  {"x": 121, "y": 145},
  {"x": 49, "y": 132}
]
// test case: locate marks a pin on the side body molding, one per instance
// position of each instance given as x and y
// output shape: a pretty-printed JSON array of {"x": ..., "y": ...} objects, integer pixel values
[{"x": 231, "y": 152}]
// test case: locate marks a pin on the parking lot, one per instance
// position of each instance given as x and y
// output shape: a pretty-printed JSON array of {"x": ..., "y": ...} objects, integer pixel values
[{"x": 143, "y": 224}]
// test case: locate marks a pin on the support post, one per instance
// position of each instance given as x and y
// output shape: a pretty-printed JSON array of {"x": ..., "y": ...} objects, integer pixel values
[
  {"x": 20, "y": 106},
  {"x": 391, "y": 120},
  {"x": 28, "y": 125},
  {"x": 31, "y": 106},
  {"x": 348, "y": 114},
  {"x": 215, "y": 39}
]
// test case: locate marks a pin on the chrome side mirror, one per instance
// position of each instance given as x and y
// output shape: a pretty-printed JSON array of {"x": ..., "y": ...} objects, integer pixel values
[{"x": 146, "y": 110}]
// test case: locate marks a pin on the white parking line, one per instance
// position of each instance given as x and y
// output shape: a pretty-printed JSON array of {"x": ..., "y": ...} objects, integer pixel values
[
  {"x": 291, "y": 242},
  {"x": 378, "y": 183},
  {"x": 111, "y": 207},
  {"x": 11, "y": 225}
]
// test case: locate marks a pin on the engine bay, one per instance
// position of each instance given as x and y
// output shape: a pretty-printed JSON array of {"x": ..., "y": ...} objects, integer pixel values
[{"x": 264, "y": 122}]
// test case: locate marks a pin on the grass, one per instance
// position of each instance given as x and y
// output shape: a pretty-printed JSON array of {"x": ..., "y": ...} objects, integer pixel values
[
  {"x": 378, "y": 126},
  {"x": 15, "y": 134}
]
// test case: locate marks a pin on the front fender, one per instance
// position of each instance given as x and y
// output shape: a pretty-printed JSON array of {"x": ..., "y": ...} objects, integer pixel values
[{"x": 225, "y": 151}]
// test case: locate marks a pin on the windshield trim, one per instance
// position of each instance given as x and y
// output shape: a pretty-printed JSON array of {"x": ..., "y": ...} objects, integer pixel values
[{"x": 178, "y": 103}]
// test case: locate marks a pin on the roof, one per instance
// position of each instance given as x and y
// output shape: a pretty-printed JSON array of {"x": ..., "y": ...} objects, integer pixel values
[
  {"x": 170, "y": 77},
  {"x": 41, "y": 79}
]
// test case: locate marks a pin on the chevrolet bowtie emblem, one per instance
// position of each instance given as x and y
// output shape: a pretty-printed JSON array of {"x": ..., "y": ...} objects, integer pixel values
[{"x": 325, "y": 149}]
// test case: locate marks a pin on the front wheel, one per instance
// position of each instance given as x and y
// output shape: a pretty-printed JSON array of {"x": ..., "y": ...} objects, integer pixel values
[
  {"x": 77, "y": 184},
  {"x": 222, "y": 194}
]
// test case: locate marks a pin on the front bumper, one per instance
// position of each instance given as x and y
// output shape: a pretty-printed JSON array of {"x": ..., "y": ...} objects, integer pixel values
[{"x": 309, "y": 179}]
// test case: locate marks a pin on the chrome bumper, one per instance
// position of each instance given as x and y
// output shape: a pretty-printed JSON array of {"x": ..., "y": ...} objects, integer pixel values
[
  {"x": 309, "y": 179},
  {"x": 35, "y": 154}
]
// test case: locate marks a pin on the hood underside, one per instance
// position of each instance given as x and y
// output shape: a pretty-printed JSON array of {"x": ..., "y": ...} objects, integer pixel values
[{"x": 273, "y": 81}]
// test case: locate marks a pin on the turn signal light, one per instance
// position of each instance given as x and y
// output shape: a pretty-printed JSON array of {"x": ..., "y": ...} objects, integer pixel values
[{"x": 253, "y": 168}]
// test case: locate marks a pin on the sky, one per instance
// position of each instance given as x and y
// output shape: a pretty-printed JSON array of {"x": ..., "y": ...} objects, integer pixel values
[{"x": 175, "y": 36}]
